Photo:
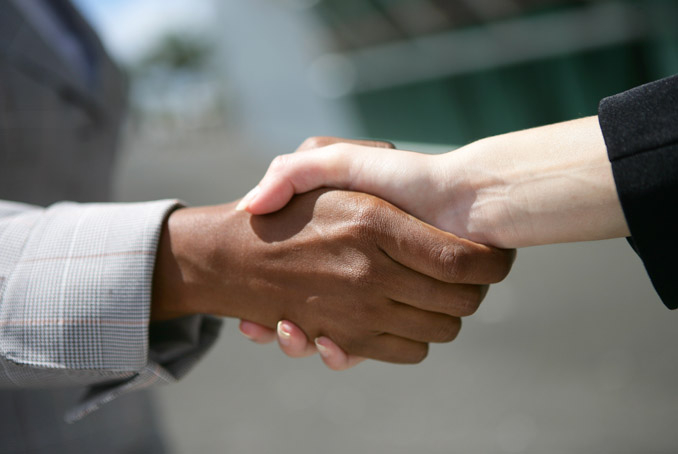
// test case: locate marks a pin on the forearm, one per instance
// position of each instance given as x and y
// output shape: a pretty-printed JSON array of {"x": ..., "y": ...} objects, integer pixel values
[{"x": 545, "y": 185}]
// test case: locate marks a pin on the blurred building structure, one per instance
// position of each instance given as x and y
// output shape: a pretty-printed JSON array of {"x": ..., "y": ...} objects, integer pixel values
[
  {"x": 267, "y": 51},
  {"x": 445, "y": 71},
  {"x": 573, "y": 353},
  {"x": 451, "y": 71},
  {"x": 437, "y": 71}
]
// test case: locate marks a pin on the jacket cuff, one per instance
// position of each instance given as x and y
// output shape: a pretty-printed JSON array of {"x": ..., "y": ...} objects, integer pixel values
[
  {"x": 640, "y": 128},
  {"x": 75, "y": 309},
  {"x": 175, "y": 346}
]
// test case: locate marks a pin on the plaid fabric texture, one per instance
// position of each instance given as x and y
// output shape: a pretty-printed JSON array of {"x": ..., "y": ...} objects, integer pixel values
[{"x": 75, "y": 291}]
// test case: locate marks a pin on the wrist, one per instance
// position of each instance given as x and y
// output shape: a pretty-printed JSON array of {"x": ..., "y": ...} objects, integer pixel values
[
  {"x": 478, "y": 202},
  {"x": 193, "y": 253},
  {"x": 168, "y": 298},
  {"x": 207, "y": 263},
  {"x": 545, "y": 185}
]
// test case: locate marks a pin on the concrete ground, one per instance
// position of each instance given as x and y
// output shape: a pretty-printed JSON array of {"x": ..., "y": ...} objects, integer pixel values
[{"x": 573, "y": 353}]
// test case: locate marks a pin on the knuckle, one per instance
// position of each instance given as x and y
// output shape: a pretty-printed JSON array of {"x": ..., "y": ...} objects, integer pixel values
[
  {"x": 418, "y": 354},
  {"x": 503, "y": 261},
  {"x": 366, "y": 222},
  {"x": 454, "y": 263},
  {"x": 371, "y": 275},
  {"x": 280, "y": 162},
  {"x": 448, "y": 330},
  {"x": 314, "y": 142},
  {"x": 469, "y": 303},
  {"x": 363, "y": 273}
]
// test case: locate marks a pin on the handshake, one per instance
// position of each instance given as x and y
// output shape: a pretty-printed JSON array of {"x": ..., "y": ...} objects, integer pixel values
[{"x": 381, "y": 272}]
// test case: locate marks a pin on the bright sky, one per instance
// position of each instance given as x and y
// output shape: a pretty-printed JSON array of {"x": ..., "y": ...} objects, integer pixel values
[{"x": 130, "y": 27}]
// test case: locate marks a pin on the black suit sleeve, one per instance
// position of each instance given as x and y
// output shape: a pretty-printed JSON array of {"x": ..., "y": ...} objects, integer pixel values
[{"x": 640, "y": 127}]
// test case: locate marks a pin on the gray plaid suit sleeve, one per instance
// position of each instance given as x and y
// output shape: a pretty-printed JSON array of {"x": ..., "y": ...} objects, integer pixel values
[{"x": 75, "y": 290}]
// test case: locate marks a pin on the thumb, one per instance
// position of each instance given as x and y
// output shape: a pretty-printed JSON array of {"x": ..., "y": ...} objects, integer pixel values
[{"x": 298, "y": 173}]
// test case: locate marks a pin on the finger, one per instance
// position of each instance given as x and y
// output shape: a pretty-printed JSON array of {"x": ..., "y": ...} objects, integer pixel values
[
  {"x": 334, "y": 357},
  {"x": 421, "y": 326},
  {"x": 418, "y": 290},
  {"x": 377, "y": 171},
  {"x": 313, "y": 143},
  {"x": 292, "y": 340},
  {"x": 256, "y": 333},
  {"x": 441, "y": 255},
  {"x": 390, "y": 348},
  {"x": 280, "y": 181},
  {"x": 339, "y": 165},
  {"x": 298, "y": 173}
]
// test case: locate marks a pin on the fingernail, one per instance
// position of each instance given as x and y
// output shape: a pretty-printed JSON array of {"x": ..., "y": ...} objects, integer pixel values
[
  {"x": 284, "y": 332},
  {"x": 322, "y": 349},
  {"x": 245, "y": 201}
]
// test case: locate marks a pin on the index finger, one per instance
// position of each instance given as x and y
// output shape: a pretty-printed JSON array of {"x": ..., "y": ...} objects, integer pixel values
[{"x": 442, "y": 255}]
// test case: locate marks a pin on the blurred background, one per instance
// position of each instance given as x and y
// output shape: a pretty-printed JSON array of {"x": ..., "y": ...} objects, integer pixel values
[{"x": 573, "y": 353}]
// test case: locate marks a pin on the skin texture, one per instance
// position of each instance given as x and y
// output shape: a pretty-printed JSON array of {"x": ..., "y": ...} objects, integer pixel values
[
  {"x": 340, "y": 265},
  {"x": 544, "y": 185}
]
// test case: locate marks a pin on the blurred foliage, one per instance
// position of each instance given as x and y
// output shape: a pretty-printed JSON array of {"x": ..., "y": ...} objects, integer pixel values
[
  {"x": 175, "y": 86},
  {"x": 177, "y": 52}
]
